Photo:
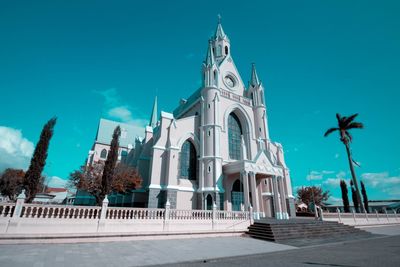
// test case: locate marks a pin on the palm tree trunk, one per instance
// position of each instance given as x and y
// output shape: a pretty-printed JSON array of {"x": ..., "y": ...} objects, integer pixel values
[{"x": 354, "y": 178}]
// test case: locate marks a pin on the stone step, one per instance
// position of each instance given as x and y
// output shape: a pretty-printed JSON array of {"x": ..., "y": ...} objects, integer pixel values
[{"x": 300, "y": 229}]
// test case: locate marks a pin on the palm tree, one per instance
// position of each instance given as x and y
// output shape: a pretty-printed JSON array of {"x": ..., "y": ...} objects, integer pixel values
[{"x": 344, "y": 125}]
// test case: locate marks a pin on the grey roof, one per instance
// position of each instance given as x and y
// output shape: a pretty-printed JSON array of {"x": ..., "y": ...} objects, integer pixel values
[{"x": 106, "y": 129}]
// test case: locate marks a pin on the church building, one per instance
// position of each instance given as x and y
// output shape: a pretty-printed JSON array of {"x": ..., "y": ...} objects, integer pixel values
[{"x": 215, "y": 149}]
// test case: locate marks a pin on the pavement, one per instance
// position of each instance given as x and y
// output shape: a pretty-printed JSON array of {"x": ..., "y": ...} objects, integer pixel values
[{"x": 211, "y": 251}]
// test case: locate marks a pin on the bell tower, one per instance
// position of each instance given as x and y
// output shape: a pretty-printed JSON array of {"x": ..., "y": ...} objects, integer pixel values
[{"x": 221, "y": 43}]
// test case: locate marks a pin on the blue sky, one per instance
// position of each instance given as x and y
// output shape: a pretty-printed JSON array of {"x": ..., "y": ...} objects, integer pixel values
[{"x": 82, "y": 60}]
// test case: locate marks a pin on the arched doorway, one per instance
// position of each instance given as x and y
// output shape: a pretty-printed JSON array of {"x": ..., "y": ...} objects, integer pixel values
[
  {"x": 209, "y": 201},
  {"x": 237, "y": 195}
]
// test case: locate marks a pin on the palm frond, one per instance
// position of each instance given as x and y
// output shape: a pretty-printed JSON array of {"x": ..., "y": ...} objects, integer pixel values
[
  {"x": 355, "y": 125},
  {"x": 349, "y": 119},
  {"x": 349, "y": 136},
  {"x": 329, "y": 131}
]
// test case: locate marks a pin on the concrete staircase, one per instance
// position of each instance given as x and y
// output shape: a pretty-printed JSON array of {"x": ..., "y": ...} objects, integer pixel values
[{"x": 307, "y": 230}]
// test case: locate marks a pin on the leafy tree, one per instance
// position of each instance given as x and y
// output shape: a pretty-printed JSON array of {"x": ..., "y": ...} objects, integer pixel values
[
  {"x": 345, "y": 197},
  {"x": 89, "y": 179},
  {"x": 33, "y": 177},
  {"x": 11, "y": 183},
  {"x": 312, "y": 194},
  {"x": 365, "y": 197},
  {"x": 354, "y": 197},
  {"x": 344, "y": 125}
]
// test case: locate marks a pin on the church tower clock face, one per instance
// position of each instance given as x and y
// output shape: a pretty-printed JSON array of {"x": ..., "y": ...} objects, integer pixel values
[{"x": 230, "y": 81}]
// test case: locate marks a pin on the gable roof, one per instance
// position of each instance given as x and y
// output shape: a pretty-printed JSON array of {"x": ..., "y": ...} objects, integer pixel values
[{"x": 106, "y": 129}]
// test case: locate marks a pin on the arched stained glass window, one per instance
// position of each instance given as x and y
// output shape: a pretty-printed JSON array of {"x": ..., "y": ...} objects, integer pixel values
[
  {"x": 235, "y": 136},
  {"x": 188, "y": 161},
  {"x": 103, "y": 154}
]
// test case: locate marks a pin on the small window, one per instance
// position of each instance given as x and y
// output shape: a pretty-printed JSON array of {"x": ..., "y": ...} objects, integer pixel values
[
  {"x": 103, "y": 154},
  {"x": 209, "y": 168},
  {"x": 209, "y": 106},
  {"x": 260, "y": 129},
  {"x": 209, "y": 133},
  {"x": 226, "y": 50}
]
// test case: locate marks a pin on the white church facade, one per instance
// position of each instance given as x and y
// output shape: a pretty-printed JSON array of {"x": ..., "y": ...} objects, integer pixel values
[{"x": 215, "y": 149}]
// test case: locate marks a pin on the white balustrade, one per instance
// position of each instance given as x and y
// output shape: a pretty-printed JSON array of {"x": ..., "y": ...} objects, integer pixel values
[
  {"x": 236, "y": 97},
  {"x": 7, "y": 209}
]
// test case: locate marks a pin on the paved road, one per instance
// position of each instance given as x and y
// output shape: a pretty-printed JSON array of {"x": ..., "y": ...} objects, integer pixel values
[
  {"x": 380, "y": 252},
  {"x": 132, "y": 253},
  {"x": 373, "y": 252}
]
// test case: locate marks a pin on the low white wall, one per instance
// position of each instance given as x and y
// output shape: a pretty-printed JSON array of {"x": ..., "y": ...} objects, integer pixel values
[
  {"x": 359, "y": 219},
  {"x": 57, "y": 219}
]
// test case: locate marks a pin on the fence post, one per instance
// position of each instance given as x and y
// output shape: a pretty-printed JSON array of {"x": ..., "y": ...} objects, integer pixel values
[
  {"x": 322, "y": 214},
  {"x": 214, "y": 215},
  {"x": 338, "y": 213},
  {"x": 166, "y": 214},
  {"x": 18, "y": 206},
  {"x": 387, "y": 216},
  {"x": 377, "y": 217},
  {"x": 251, "y": 214},
  {"x": 395, "y": 214},
  {"x": 354, "y": 217},
  {"x": 366, "y": 215},
  {"x": 104, "y": 207}
]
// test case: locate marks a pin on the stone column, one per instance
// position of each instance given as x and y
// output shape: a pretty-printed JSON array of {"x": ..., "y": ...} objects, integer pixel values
[
  {"x": 254, "y": 194},
  {"x": 245, "y": 180},
  {"x": 277, "y": 202},
  {"x": 282, "y": 193}
]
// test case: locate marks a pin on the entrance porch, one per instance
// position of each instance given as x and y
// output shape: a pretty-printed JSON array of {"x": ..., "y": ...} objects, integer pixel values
[{"x": 263, "y": 188}]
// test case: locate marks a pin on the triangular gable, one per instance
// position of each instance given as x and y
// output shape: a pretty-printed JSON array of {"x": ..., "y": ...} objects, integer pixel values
[{"x": 262, "y": 159}]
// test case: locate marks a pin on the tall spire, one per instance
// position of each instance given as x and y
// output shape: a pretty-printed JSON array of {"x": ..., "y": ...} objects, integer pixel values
[
  {"x": 153, "y": 119},
  {"x": 219, "y": 32},
  {"x": 254, "y": 81},
  {"x": 210, "y": 60}
]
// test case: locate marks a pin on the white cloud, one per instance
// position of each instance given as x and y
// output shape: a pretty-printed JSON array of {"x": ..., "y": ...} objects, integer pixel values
[
  {"x": 115, "y": 109},
  {"x": 317, "y": 175},
  {"x": 15, "y": 150},
  {"x": 122, "y": 113},
  {"x": 384, "y": 182},
  {"x": 332, "y": 182},
  {"x": 56, "y": 181}
]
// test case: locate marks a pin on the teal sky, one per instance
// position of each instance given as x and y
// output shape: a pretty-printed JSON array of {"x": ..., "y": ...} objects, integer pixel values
[{"x": 82, "y": 60}]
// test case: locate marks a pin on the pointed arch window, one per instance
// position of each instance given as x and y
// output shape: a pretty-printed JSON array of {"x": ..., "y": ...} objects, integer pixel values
[
  {"x": 188, "y": 161},
  {"x": 234, "y": 136},
  {"x": 226, "y": 50},
  {"x": 103, "y": 154}
]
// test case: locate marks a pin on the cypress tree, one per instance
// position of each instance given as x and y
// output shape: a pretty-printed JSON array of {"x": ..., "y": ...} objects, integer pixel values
[
  {"x": 33, "y": 177},
  {"x": 345, "y": 197},
  {"x": 365, "y": 197},
  {"x": 110, "y": 164},
  {"x": 354, "y": 196}
]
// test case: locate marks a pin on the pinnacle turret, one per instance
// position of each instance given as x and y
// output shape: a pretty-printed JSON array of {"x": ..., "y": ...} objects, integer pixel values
[
  {"x": 210, "y": 60},
  {"x": 254, "y": 81},
  {"x": 219, "y": 31},
  {"x": 153, "y": 118}
]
